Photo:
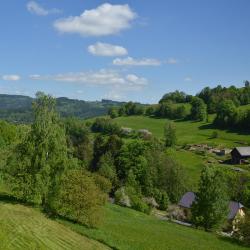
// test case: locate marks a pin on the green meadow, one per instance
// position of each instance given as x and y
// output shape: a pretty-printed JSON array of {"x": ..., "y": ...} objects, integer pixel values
[
  {"x": 188, "y": 132},
  {"x": 126, "y": 229}
]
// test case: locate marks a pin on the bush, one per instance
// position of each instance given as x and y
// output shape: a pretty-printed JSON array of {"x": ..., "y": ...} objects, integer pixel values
[
  {"x": 161, "y": 198},
  {"x": 105, "y": 126},
  {"x": 128, "y": 197},
  {"x": 121, "y": 198},
  {"x": 79, "y": 199}
]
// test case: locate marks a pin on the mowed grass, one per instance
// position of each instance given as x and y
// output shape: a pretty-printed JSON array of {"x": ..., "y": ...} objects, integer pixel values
[
  {"x": 26, "y": 228},
  {"x": 127, "y": 229},
  {"x": 188, "y": 132}
]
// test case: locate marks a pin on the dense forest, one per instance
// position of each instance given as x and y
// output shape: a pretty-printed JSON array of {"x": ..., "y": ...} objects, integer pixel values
[{"x": 18, "y": 109}]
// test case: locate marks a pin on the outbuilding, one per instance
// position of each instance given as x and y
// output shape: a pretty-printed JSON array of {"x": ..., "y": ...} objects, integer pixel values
[{"x": 240, "y": 154}]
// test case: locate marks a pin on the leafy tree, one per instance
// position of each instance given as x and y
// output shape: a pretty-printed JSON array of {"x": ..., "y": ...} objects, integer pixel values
[
  {"x": 198, "y": 110},
  {"x": 78, "y": 198},
  {"x": 37, "y": 163},
  {"x": 132, "y": 158},
  {"x": 106, "y": 168},
  {"x": 211, "y": 206},
  {"x": 176, "y": 97},
  {"x": 113, "y": 112},
  {"x": 172, "y": 179},
  {"x": 170, "y": 134},
  {"x": 78, "y": 139},
  {"x": 105, "y": 126},
  {"x": 227, "y": 114}
]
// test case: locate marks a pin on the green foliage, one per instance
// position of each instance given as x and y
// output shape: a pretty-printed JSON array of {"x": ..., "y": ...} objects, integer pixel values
[
  {"x": 176, "y": 97},
  {"x": 211, "y": 206},
  {"x": 131, "y": 108},
  {"x": 170, "y": 134},
  {"x": 105, "y": 126},
  {"x": 243, "y": 232},
  {"x": 113, "y": 112},
  {"x": 106, "y": 168},
  {"x": 173, "y": 179},
  {"x": 161, "y": 198},
  {"x": 198, "y": 110},
  {"x": 128, "y": 196},
  {"x": 18, "y": 109},
  {"x": 78, "y": 139},
  {"x": 227, "y": 114},
  {"x": 8, "y": 134},
  {"x": 170, "y": 110},
  {"x": 39, "y": 160},
  {"x": 78, "y": 198},
  {"x": 132, "y": 158}
]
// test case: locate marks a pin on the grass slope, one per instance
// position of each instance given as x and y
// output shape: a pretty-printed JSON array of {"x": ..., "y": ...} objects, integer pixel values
[
  {"x": 187, "y": 131},
  {"x": 127, "y": 229},
  {"x": 26, "y": 228}
]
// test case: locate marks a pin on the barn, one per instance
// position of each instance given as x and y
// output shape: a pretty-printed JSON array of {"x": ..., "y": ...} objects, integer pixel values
[{"x": 240, "y": 154}]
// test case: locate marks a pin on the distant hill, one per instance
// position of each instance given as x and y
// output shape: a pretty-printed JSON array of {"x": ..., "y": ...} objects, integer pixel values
[{"x": 18, "y": 108}]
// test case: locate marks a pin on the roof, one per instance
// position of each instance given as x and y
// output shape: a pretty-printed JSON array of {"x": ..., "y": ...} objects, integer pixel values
[
  {"x": 187, "y": 199},
  {"x": 233, "y": 209},
  {"x": 243, "y": 151}
]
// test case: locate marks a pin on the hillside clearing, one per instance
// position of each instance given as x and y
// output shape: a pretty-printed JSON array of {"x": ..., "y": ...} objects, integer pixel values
[
  {"x": 22, "y": 227},
  {"x": 188, "y": 132}
]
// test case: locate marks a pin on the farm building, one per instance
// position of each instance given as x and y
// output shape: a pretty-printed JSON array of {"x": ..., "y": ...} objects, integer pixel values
[
  {"x": 236, "y": 209},
  {"x": 240, "y": 154}
]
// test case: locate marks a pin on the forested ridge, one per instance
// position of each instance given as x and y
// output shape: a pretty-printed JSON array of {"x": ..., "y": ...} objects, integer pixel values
[{"x": 18, "y": 108}]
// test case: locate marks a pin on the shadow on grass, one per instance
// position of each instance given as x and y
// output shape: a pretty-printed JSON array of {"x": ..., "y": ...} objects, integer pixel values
[
  {"x": 233, "y": 241},
  {"x": 8, "y": 198},
  {"x": 229, "y": 130}
]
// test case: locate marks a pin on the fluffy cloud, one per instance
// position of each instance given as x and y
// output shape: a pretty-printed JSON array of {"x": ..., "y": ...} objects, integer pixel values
[
  {"x": 106, "y": 19},
  {"x": 172, "y": 61},
  {"x": 100, "y": 78},
  {"x": 105, "y": 49},
  {"x": 11, "y": 77},
  {"x": 35, "y": 8},
  {"x": 129, "y": 61}
]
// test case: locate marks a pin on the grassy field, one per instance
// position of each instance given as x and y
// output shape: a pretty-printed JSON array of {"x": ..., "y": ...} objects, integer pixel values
[
  {"x": 192, "y": 163},
  {"x": 26, "y": 228},
  {"x": 188, "y": 132},
  {"x": 127, "y": 229}
]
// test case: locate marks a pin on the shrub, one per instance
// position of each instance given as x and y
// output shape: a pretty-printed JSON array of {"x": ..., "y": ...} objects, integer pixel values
[
  {"x": 78, "y": 198},
  {"x": 161, "y": 198}
]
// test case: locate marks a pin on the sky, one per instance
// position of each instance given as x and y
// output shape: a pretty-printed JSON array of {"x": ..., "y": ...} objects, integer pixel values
[{"x": 122, "y": 50}]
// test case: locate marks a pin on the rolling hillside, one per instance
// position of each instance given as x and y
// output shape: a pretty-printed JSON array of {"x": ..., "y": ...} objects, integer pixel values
[
  {"x": 23, "y": 227},
  {"x": 188, "y": 132},
  {"x": 17, "y": 108},
  {"x": 126, "y": 229}
]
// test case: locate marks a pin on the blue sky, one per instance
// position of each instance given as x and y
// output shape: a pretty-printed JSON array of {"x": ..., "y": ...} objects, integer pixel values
[{"x": 122, "y": 50}]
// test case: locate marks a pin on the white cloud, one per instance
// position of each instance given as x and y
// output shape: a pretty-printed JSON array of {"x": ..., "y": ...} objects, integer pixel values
[
  {"x": 11, "y": 77},
  {"x": 106, "y": 19},
  {"x": 35, "y": 8},
  {"x": 188, "y": 79},
  {"x": 172, "y": 61},
  {"x": 129, "y": 61},
  {"x": 105, "y": 49},
  {"x": 100, "y": 78}
]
